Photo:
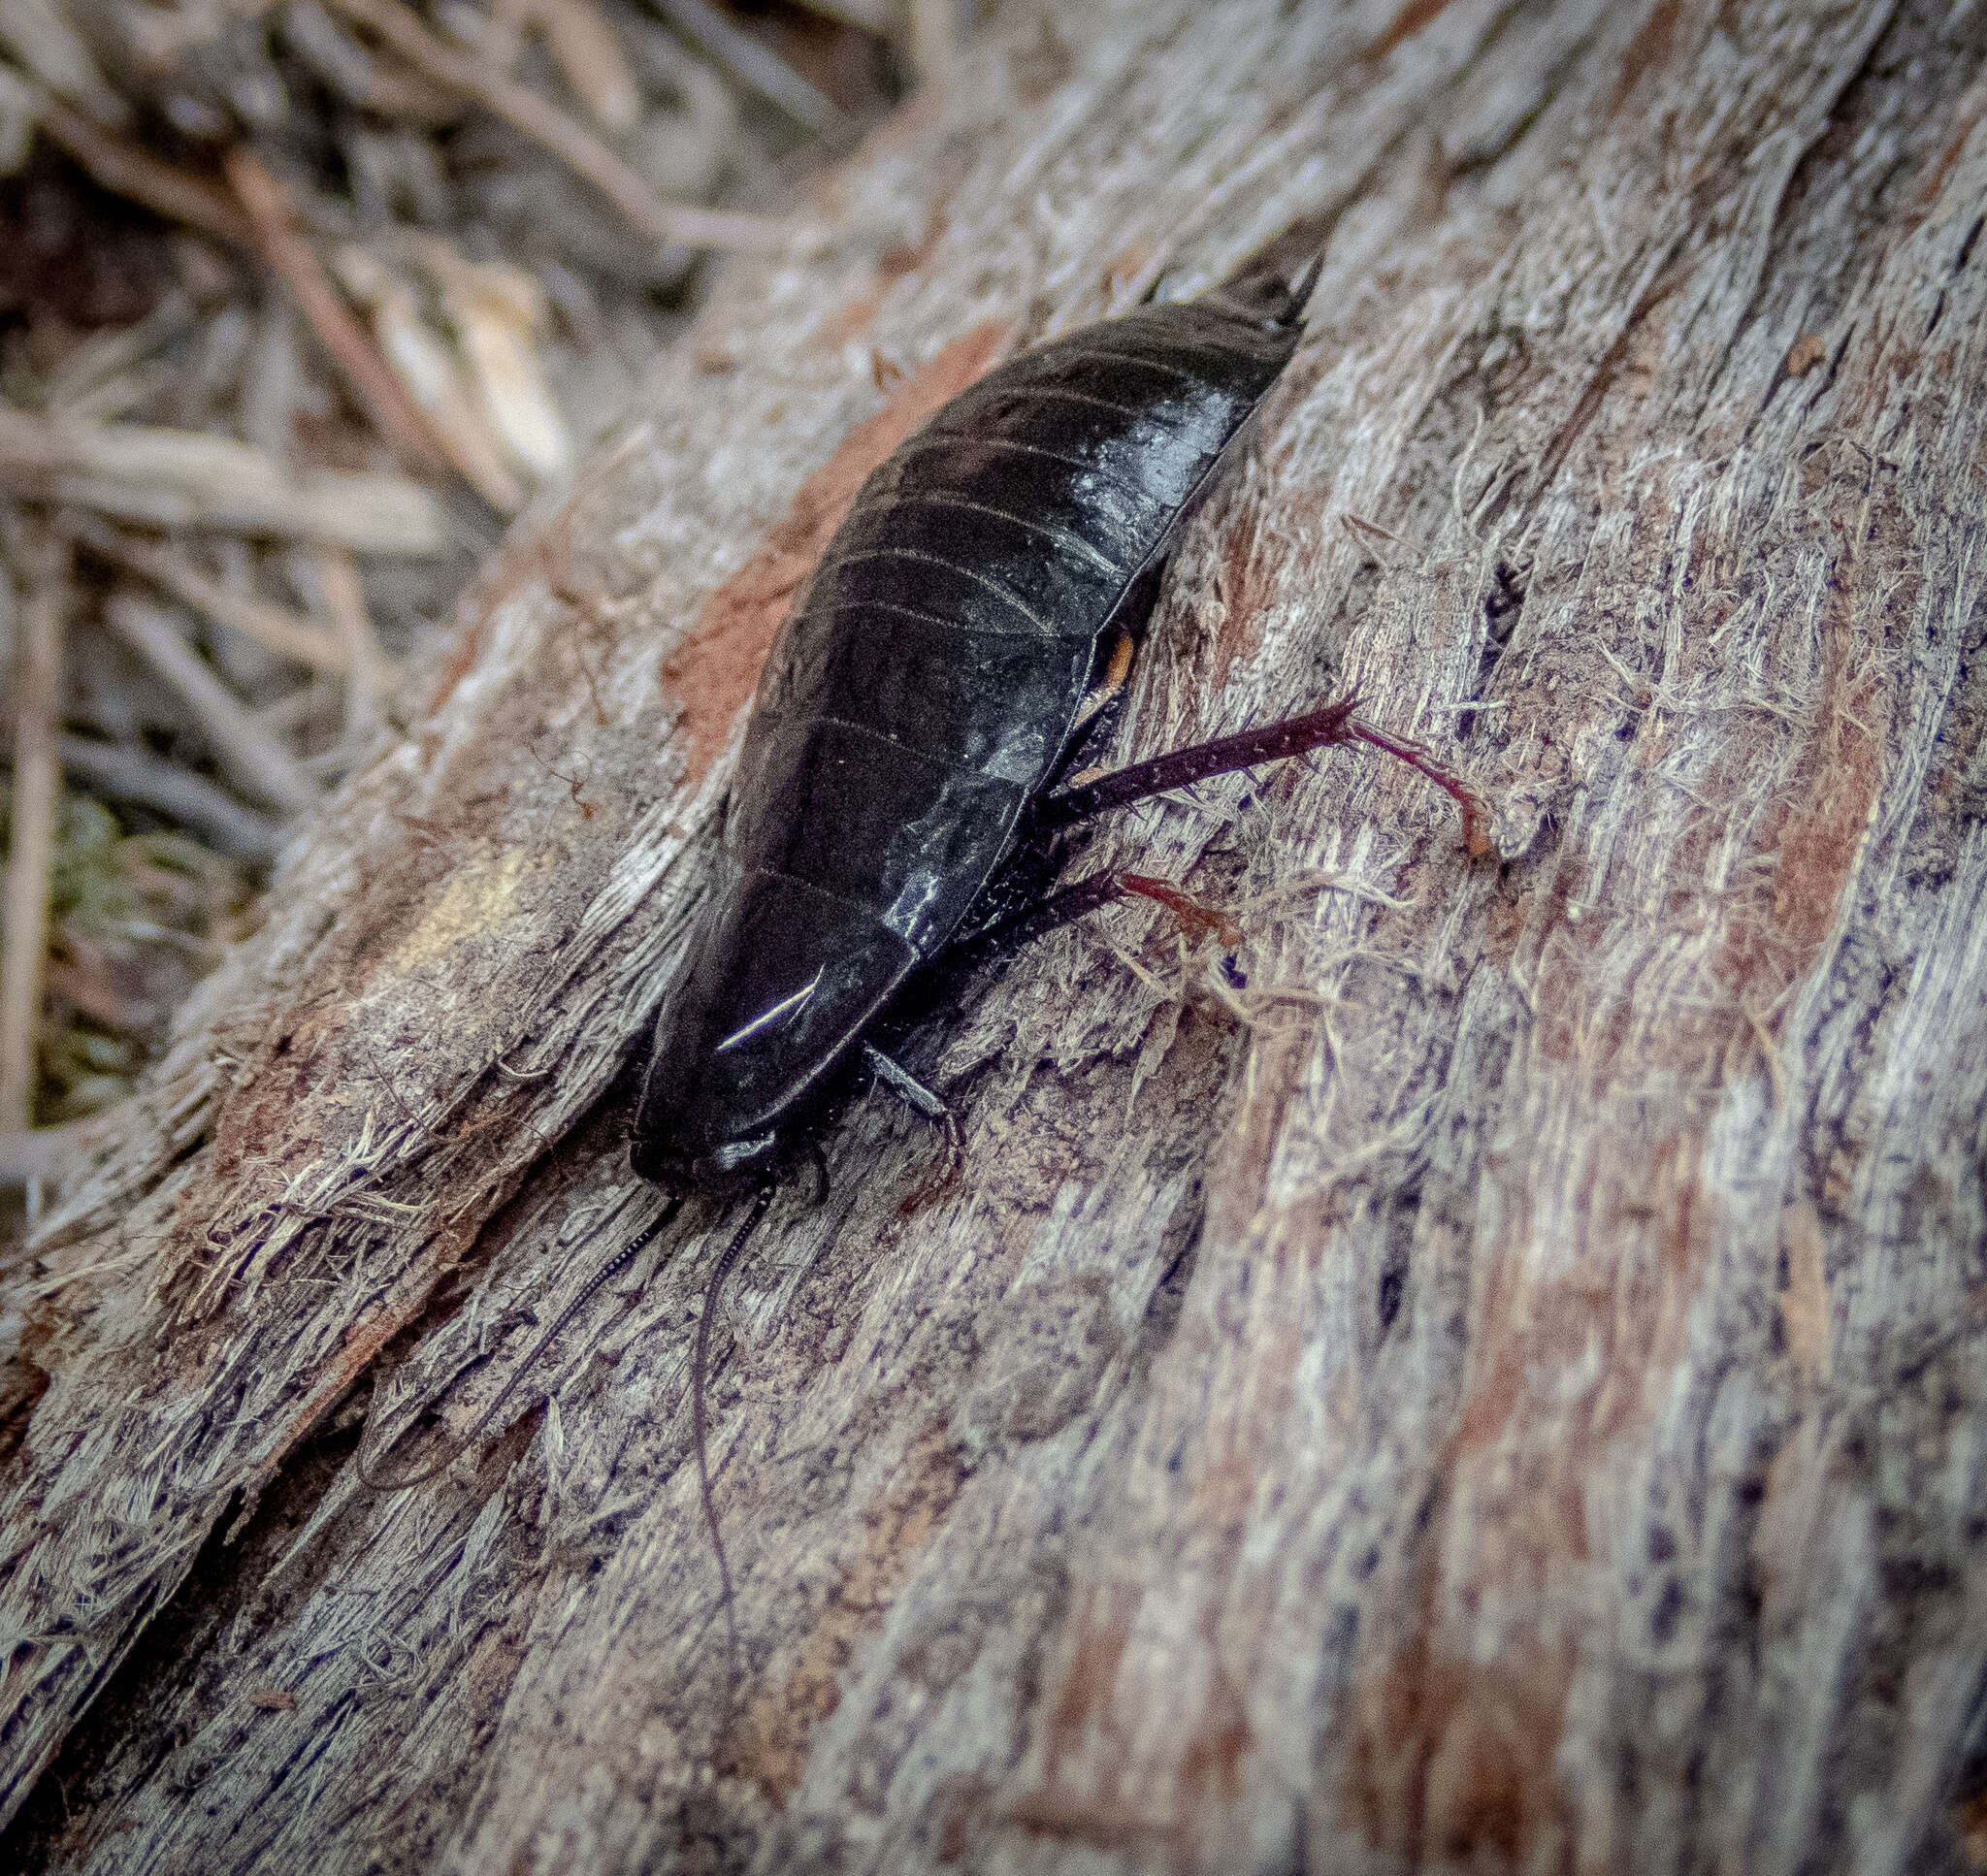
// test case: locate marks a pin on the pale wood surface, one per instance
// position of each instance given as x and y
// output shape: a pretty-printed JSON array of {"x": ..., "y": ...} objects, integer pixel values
[{"x": 1500, "y": 1390}]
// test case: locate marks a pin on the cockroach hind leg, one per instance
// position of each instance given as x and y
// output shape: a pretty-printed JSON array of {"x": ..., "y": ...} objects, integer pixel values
[
  {"x": 915, "y": 1094},
  {"x": 1003, "y": 936},
  {"x": 1197, "y": 762},
  {"x": 1336, "y": 722}
]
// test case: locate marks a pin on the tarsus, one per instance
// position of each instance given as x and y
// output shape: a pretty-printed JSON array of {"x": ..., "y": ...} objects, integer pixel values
[{"x": 611, "y": 1269}]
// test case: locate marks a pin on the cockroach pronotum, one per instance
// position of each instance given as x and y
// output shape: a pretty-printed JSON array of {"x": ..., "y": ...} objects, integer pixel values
[{"x": 910, "y": 738}]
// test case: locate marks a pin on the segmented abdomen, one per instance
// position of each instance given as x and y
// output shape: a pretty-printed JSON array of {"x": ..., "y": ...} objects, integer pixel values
[{"x": 927, "y": 687}]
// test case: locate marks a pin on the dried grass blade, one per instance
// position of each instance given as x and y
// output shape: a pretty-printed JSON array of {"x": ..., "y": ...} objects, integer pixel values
[
  {"x": 530, "y": 115},
  {"x": 37, "y": 797},
  {"x": 753, "y": 63},
  {"x": 424, "y": 366},
  {"x": 582, "y": 38},
  {"x": 369, "y": 670},
  {"x": 283, "y": 631},
  {"x": 183, "y": 478},
  {"x": 192, "y": 800},
  {"x": 372, "y": 380},
  {"x": 250, "y": 755},
  {"x": 126, "y": 170}
]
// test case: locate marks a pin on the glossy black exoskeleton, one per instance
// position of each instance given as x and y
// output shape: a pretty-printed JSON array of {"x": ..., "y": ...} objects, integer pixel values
[
  {"x": 910, "y": 730},
  {"x": 921, "y": 697}
]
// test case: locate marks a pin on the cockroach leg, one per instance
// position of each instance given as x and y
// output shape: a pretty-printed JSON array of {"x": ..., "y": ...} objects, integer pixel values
[
  {"x": 915, "y": 1094},
  {"x": 1335, "y": 723},
  {"x": 368, "y": 1467},
  {"x": 1196, "y": 919},
  {"x": 819, "y": 1156},
  {"x": 1475, "y": 843},
  {"x": 1006, "y": 935}
]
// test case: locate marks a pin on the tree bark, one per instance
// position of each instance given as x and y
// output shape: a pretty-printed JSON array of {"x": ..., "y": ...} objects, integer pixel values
[{"x": 1497, "y": 1389}]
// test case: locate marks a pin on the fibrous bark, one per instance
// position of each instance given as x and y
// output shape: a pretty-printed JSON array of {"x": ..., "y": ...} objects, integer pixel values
[{"x": 1497, "y": 1388}]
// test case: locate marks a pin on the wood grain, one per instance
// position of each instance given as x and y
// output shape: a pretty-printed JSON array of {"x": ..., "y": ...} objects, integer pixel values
[{"x": 1499, "y": 1390}]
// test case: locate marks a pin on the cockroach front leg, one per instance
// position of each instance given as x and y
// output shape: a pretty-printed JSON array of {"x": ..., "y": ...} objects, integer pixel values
[{"x": 933, "y": 1106}]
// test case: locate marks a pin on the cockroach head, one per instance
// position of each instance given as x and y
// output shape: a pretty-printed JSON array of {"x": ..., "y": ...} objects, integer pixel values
[{"x": 679, "y": 1162}]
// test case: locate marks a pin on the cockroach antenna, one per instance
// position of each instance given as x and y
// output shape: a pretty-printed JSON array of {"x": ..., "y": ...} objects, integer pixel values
[
  {"x": 369, "y": 1475},
  {"x": 700, "y": 1423},
  {"x": 699, "y": 1376}
]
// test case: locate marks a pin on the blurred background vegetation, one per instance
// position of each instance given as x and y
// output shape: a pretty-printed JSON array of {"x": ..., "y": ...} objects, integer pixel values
[{"x": 300, "y": 302}]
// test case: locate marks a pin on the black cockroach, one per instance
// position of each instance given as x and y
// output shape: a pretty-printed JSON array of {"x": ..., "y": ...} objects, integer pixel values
[{"x": 910, "y": 732}]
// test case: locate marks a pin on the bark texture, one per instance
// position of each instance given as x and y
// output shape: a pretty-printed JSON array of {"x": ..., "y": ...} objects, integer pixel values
[{"x": 1500, "y": 1390}]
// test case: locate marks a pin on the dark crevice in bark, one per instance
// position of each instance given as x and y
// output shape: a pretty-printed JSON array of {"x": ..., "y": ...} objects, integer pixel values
[{"x": 178, "y": 1665}]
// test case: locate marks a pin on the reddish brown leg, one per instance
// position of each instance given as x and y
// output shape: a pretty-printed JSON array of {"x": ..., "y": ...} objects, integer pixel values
[
  {"x": 1196, "y": 919},
  {"x": 1475, "y": 842},
  {"x": 1335, "y": 723}
]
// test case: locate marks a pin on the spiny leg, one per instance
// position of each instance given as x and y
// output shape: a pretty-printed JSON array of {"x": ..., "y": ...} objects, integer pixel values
[
  {"x": 1007, "y": 935},
  {"x": 1335, "y": 723},
  {"x": 932, "y": 1104},
  {"x": 1270, "y": 742},
  {"x": 1005, "y": 932},
  {"x": 1004, "y": 936}
]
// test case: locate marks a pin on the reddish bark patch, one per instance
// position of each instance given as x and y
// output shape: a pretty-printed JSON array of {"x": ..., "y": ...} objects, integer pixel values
[
  {"x": 894, "y": 263},
  {"x": 1967, "y": 113},
  {"x": 1086, "y": 1822},
  {"x": 538, "y": 558},
  {"x": 1211, "y": 1767},
  {"x": 1649, "y": 49},
  {"x": 464, "y": 649},
  {"x": 1453, "y": 1758},
  {"x": 778, "y": 1724},
  {"x": 1093, "y": 1673},
  {"x": 1404, "y": 26},
  {"x": 714, "y": 668},
  {"x": 1817, "y": 828},
  {"x": 1245, "y": 593},
  {"x": 1092, "y": 1792},
  {"x": 1452, "y": 1754}
]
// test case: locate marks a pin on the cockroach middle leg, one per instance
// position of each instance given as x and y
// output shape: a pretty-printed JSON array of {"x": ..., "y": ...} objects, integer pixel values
[
  {"x": 1006, "y": 935},
  {"x": 932, "y": 1104},
  {"x": 1196, "y": 918}
]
